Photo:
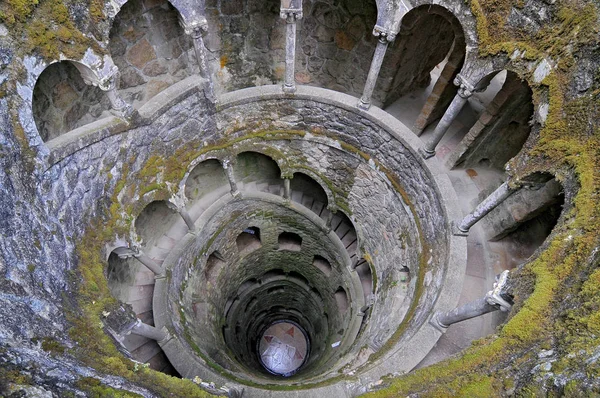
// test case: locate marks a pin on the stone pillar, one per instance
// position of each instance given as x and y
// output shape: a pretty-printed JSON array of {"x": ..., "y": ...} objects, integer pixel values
[
  {"x": 495, "y": 299},
  {"x": 287, "y": 190},
  {"x": 330, "y": 218},
  {"x": 117, "y": 103},
  {"x": 187, "y": 218},
  {"x": 149, "y": 263},
  {"x": 465, "y": 90},
  {"x": 488, "y": 204},
  {"x": 229, "y": 172},
  {"x": 125, "y": 252},
  {"x": 291, "y": 11},
  {"x": 196, "y": 30},
  {"x": 141, "y": 329},
  {"x": 382, "y": 44}
]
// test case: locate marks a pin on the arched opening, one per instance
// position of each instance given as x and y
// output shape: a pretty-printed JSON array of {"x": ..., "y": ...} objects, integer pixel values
[
  {"x": 521, "y": 224},
  {"x": 157, "y": 227},
  {"x": 254, "y": 171},
  {"x": 63, "y": 102},
  {"x": 322, "y": 264},
  {"x": 248, "y": 240},
  {"x": 205, "y": 183},
  {"x": 245, "y": 42},
  {"x": 423, "y": 61},
  {"x": 336, "y": 44},
  {"x": 214, "y": 265},
  {"x": 150, "y": 48},
  {"x": 502, "y": 127},
  {"x": 341, "y": 298},
  {"x": 132, "y": 283},
  {"x": 290, "y": 241},
  {"x": 365, "y": 275},
  {"x": 309, "y": 193}
]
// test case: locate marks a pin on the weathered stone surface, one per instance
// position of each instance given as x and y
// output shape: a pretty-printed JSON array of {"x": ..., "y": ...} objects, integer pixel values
[{"x": 140, "y": 54}]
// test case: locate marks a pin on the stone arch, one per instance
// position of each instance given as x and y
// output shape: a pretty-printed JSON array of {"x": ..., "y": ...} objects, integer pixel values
[
  {"x": 154, "y": 221},
  {"x": 336, "y": 44},
  {"x": 502, "y": 128},
  {"x": 205, "y": 180},
  {"x": 150, "y": 49},
  {"x": 309, "y": 193},
  {"x": 255, "y": 167},
  {"x": 64, "y": 99},
  {"x": 430, "y": 41},
  {"x": 524, "y": 221}
]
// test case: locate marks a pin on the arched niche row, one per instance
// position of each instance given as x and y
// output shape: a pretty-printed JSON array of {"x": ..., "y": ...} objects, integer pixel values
[
  {"x": 430, "y": 45},
  {"x": 254, "y": 171},
  {"x": 154, "y": 224},
  {"x": 150, "y": 48},
  {"x": 132, "y": 283},
  {"x": 344, "y": 229},
  {"x": 248, "y": 240},
  {"x": 502, "y": 126},
  {"x": 62, "y": 101},
  {"x": 245, "y": 43},
  {"x": 521, "y": 224},
  {"x": 309, "y": 193},
  {"x": 336, "y": 44}
]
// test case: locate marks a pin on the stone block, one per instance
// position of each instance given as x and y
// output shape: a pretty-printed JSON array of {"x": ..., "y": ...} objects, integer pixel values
[
  {"x": 130, "y": 78},
  {"x": 154, "y": 68},
  {"x": 140, "y": 54},
  {"x": 232, "y": 7},
  {"x": 344, "y": 41},
  {"x": 132, "y": 35},
  {"x": 324, "y": 34}
]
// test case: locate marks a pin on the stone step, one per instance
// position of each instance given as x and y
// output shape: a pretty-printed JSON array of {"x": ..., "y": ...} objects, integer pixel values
[
  {"x": 317, "y": 207},
  {"x": 297, "y": 196},
  {"x": 307, "y": 201},
  {"x": 349, "y": 238},
  {"x": 276, "y": 189},
  {"x": 146, "y": 351},
  {"x": 262, "y": 186}
]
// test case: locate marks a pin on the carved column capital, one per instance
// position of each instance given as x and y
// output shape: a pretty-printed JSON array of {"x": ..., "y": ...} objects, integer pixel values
[
  {"x": 290, "y": 16},
  {"x": 196, "y": 28},
  {"x": 465, "y": 88},
  {"x": 384, "y": 35}
]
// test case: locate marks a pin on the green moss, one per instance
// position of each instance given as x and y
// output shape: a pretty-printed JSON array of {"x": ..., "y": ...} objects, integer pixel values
[{"x": 53, "y": 346}]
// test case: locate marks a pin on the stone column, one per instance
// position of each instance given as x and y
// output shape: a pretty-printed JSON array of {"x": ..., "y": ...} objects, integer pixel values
[
  {"x": 287, "y": 190},
  {"x": 187, "y": 218},
  {"x": 142, "y": 329},
  {"x": 291, "y": 11},
  {"x": 125, "y": 252},
  {"x": 229, "y": 172},
  {"x": 196, "y": 30},
  {"x": 117, "y": 103},
  {"x": 465, "y": 90},
  {"x": 384, "y": 39},
  {"x": 488, "y": 204},
  {"x": 495, "y": 299}
]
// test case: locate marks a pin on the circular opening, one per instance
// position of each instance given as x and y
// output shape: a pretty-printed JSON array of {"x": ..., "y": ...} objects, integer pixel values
[{"x": 283, "y": 348}]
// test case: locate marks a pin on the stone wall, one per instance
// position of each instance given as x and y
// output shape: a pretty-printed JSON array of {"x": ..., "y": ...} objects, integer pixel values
[
  {"x": 63, "y": 102},
  {"x": 150, "y": 48},
  {"x": 335, "y": 44},
  {"x": 245, "y": 43}
]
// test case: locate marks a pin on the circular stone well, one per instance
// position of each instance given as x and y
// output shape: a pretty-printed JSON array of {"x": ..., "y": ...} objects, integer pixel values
[{"x": 326, "y": 256}]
